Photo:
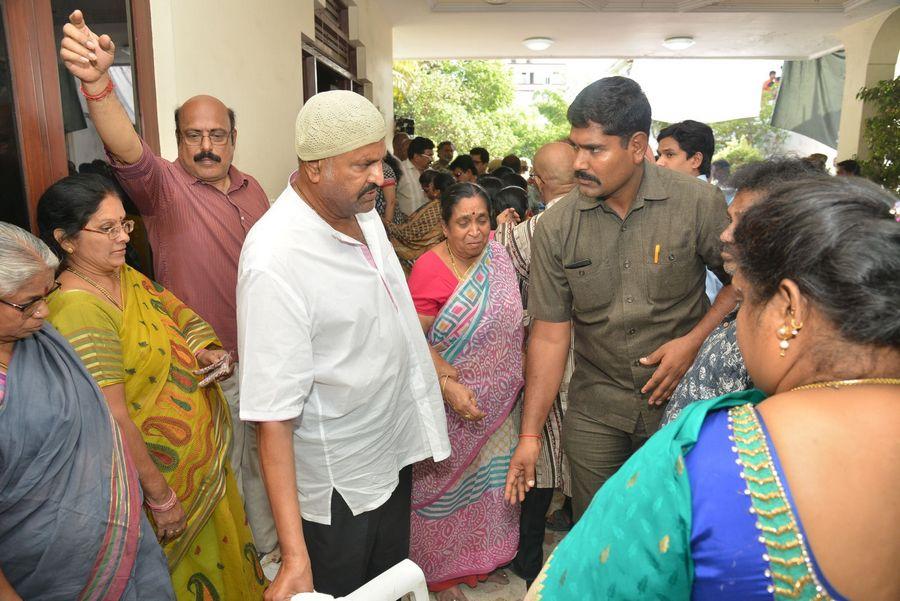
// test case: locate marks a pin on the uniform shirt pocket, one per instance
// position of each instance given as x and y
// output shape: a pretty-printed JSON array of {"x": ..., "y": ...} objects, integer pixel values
[
  {"x": 673, "y": 276},
  {"x": 592, "y": 287}
]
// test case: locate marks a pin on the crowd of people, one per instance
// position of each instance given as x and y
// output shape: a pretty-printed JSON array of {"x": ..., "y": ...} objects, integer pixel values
[{"x": 404, "y": 357}]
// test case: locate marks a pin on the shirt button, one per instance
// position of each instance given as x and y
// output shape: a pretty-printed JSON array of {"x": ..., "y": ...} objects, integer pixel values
[
  {"x": 627, "y": 264},
  {"x": 636, "y": 363},
  {"x": 671, "y": 257},
  {"x": 624, "y": 228},
  {"x": 632, "y": 332},
  {"x": 629, "y": 299}
]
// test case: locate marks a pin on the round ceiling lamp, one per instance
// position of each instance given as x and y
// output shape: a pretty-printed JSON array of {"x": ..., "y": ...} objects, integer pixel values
[
  {"x": 538, "y": 44},
  {"x": 678, "y": 42},
  {"x": 497, "y": 2}
]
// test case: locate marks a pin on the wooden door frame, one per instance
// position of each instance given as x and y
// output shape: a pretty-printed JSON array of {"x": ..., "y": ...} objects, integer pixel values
[
  {"x": 32, "y": 46},
  {"x": 145, "y": 74},
  {"x": 36, "y": 97}
]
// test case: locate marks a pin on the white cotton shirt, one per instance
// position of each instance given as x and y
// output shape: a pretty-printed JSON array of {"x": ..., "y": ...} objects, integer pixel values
[
  {"x": 329, "y": 338},
  {"x": 410, "y": 195}
]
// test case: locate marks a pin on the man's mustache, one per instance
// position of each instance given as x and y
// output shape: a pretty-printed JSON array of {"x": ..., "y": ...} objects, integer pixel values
[
  {"x": 579, "y": 174},
  {"x": 207, "y": 155},
  {"x": 369, "y": 188}
]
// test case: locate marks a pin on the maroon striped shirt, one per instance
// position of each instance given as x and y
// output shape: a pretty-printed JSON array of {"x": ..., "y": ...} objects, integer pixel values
[{"x": 196, "y": 233}]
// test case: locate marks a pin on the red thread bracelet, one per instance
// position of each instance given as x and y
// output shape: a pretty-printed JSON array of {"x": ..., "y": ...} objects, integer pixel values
[{"x": 98, "y": 97}]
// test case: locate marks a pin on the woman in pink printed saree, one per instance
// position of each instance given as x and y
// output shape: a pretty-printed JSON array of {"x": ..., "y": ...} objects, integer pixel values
[{"x": 466, "y": 294}]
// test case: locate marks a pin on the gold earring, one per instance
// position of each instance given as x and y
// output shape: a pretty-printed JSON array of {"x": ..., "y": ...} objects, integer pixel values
[{"x": 786, "y": 333}]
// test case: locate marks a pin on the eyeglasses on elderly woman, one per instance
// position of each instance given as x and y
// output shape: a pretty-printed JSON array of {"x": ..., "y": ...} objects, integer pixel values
[{"x": 30, "y": 308}]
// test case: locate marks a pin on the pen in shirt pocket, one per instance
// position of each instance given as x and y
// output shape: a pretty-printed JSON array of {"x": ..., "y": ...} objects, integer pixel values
[{"x": 656, "y": 255}]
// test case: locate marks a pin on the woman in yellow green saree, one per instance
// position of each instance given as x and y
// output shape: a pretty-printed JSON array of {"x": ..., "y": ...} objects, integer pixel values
[{"x": 146, "y": 350}]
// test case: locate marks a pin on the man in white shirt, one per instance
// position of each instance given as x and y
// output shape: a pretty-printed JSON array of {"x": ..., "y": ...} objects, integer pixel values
[
  {"x": 334, "y": 366},
  {"x": 410, "y": 195}
]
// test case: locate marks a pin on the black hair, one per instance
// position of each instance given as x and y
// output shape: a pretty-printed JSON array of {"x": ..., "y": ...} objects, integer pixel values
[
  {"x": 394, "y": 164},
  {"x": 513, "y": 162},
  {"x": 838, "y": 240},
  {"x": 418, "y": 146},
  {"x": 763, "y": 175},
  {"x": 69, "y": 204},
  {"x": 617, "y": 104},
  {"x": 491, "y": 184},
  {"x": 692, "y": 137},
  {"x": 514, "y": 179},
  {"x": 427, "y": 176},
  {"x": 465, "y": 163},
  {"x": 442, "y": 181},
  {"x": 232, "y": 119},
  {"x": 510, "y": 197},
  {"x": 850, "y": 166},
  {"x": 445, "y": 143},
  {"x": 482, "y": 154},
  {"x": 455, "y": 193},
  {"x": 503, "y": 170},
  {"x": 722, "y": 164}
]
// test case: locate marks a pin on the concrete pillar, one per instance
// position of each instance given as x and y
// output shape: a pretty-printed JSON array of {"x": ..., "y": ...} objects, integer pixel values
[{"x": 871, "y": 47}]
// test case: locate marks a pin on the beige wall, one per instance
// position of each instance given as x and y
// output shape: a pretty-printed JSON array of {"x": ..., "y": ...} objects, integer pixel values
[
  {"x": 871, "y": 47},
  {"x": 248, "y": 55}
]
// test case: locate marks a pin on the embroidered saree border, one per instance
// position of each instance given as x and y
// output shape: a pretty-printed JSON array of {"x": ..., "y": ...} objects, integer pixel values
[{"x": 790, "y": 573}]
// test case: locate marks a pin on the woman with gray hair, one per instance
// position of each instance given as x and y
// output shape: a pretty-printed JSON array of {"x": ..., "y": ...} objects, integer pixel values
[{"x": 71, "y": 525}]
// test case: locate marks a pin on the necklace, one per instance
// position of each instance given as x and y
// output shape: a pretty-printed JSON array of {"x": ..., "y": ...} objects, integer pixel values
[
  {"x": 459, "y": 276},
  {"x": 835, "y": 384},
  {"x": 102, "y": 290}
]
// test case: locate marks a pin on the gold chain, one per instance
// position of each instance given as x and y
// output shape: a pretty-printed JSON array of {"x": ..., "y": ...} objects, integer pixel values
[
  {"x": 453, "y": 265},
  {"x": 835, "y": 384},
  {"x": 102, "y": 290}
]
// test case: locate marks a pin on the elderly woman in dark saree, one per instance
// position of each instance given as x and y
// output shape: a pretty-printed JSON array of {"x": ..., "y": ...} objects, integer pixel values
[
  {"x": 789, "y": 491},
  {"x": 71, "y": 524}
]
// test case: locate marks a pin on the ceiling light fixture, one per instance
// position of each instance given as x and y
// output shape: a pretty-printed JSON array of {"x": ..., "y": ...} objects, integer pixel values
[
  {"x": 538, "y": 44},
  {"x": 497, "y": 2},
  {"x": 678, "y": 42}
]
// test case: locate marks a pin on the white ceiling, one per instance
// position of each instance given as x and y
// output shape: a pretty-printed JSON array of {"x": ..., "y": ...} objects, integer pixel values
[{"x": 623, "y": 29}]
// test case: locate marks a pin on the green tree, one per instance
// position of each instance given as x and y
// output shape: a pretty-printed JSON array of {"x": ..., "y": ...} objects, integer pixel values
[
  {"x": 471, "y": 103},
  {"x": 882, "y": 134},
  {"x": 758, "y": 131},
  {"x": 740, "y": 152}
]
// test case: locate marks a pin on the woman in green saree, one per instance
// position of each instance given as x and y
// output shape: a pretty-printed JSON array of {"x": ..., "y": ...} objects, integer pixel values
[
  {"x": 146, "y": 350},
  {"x": 790, "y": 496}
]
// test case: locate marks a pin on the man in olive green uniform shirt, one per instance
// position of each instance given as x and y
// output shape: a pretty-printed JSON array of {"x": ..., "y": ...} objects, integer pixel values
[{"x": 624, "y": 257}]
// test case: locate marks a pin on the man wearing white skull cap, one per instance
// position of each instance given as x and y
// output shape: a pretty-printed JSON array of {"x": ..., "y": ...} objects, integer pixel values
[{"x": 334, "y": 366}]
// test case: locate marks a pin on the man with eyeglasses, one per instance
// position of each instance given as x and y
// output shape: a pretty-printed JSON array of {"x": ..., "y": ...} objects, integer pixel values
[{"x": 197, "y": 209}]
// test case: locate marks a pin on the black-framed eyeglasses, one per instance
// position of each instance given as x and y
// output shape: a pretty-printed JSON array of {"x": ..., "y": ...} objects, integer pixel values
[
  {"x": 112, "y": 231},
  {"x": 194, "y": 137},
  {"x": 31, "y": 307}
]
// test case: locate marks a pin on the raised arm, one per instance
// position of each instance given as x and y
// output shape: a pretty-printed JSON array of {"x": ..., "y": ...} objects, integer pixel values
[{"x": 88, "y": 57}]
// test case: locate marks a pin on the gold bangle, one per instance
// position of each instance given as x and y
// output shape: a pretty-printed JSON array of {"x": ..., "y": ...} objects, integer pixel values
[{"x": 444, "y": 379}]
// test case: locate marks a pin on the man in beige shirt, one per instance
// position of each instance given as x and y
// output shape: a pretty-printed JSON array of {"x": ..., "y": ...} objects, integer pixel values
[{"x": 620, "y": 261}]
